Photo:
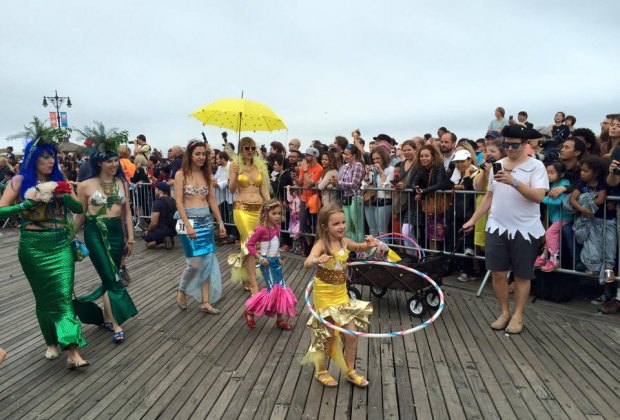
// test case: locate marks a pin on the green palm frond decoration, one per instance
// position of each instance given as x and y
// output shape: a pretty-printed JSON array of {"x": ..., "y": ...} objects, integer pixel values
[
  {"x": 38, "y": 132},
  {"x": 104, "y": 140}
]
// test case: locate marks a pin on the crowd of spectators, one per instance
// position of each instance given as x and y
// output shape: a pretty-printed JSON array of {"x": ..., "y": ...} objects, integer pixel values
[{"x": 384, "y": 186}]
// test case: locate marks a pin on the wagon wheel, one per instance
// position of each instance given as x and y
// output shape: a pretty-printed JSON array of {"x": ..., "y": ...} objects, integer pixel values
[
  {"x": 378, "y": 291},
  {"x": 432, "y": 299},
  {"x": 416, "y": 306},
  {"x": 354, "y": 292}
]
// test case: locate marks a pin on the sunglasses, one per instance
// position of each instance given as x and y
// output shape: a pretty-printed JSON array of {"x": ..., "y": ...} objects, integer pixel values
[
  {"x": 513, "y": 146},
  {"x": 249, "y": 148}
]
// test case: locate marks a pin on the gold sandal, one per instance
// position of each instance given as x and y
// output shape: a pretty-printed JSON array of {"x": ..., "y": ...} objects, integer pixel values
[
  {"x": 355, "y": 379},
  {"x": 327, "y": 381}
]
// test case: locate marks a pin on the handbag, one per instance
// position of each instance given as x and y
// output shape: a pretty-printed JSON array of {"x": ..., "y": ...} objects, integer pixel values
[
  {"x": 400, "y": 200},
  {"x": 368, "y": 196},
  {"x": 436, "y": 203},
  {"x": 79, "y": 250}
]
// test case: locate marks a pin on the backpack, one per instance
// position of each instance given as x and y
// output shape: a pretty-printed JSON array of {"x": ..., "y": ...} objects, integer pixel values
[{"x": 554, "y": 286}]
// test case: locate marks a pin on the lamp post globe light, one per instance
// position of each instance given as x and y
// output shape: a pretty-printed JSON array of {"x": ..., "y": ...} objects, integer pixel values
[{"x": 57, "y": 102}]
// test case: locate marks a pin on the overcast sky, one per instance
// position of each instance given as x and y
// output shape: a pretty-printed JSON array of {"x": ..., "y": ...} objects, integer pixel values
[{"x": 326, "y": 67}]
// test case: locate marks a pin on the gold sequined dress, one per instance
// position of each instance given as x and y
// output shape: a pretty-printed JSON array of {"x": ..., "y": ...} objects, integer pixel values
[{"x": 332, "y": 302}]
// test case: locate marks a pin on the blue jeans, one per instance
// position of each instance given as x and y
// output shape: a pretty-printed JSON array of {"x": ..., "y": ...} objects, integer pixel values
[{"x": 378, "y": 218}]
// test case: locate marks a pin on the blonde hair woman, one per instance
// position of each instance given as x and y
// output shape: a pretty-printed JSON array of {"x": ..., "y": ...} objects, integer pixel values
[{"x": 248, "y": 178}]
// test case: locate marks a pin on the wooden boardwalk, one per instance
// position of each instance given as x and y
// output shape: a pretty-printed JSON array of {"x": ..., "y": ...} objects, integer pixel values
[{"x": 186, "y": 364}]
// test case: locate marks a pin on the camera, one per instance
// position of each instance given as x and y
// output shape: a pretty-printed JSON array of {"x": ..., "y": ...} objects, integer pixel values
[
  {"x": 490, "y": 160},
  {"x": 131, "y": 142},
  {"x": 558, "y": 138},
  {"x": 616, "y": 171}
]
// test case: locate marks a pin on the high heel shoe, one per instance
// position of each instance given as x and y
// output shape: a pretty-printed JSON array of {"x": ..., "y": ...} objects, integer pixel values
[
  {"x": 118, "y": 337},
  {"x": 249, "y": 319}
]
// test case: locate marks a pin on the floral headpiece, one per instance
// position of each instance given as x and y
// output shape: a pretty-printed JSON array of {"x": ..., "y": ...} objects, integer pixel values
[
  {"x": 40, "y": 134},
  {"x": 104, "y": 140}
]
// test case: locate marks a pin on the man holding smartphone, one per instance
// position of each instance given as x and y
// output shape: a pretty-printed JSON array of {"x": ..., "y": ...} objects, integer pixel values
[{"x": 514, "y": 226}]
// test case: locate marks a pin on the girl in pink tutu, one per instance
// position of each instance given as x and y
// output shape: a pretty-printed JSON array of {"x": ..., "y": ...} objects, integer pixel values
[{"x": 264, "y": 243}]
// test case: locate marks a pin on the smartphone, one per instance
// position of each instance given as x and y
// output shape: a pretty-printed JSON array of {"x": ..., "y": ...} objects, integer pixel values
[{"x": 497, "y": 166}]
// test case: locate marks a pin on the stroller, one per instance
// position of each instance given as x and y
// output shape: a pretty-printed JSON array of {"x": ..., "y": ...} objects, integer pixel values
[{"x": 424, "y": 296}]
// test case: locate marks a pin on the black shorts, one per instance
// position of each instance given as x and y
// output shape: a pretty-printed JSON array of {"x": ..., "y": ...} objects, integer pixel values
[
  {"x": 157, "y": 236},
  {"x": 516, "y": 254}
]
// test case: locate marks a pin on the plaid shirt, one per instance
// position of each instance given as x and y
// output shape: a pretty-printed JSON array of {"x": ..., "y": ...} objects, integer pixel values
[{"x": 351, "y": 181}]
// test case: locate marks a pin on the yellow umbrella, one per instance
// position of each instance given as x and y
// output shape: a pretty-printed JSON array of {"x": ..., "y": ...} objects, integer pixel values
[{"x": 239, "y": 115}]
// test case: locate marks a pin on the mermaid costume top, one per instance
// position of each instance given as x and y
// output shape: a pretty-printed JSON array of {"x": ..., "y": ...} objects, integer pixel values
[{"x": 245, "y": 181}]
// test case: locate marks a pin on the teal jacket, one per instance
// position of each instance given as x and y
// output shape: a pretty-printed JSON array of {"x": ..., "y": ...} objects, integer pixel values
[{"x": 554, "y": 205}]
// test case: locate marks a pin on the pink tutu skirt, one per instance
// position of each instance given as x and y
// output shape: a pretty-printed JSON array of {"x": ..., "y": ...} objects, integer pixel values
[{"x": 280, "y": 300}]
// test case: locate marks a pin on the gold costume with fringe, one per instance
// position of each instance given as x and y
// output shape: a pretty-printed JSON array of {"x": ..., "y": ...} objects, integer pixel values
[{"x": 331, "y": 301}]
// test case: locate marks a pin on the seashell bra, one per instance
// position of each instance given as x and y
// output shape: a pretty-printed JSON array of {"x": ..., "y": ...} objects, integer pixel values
[
  {"x": 99, "y": 199},
  {"x": 192, "y": 190}
]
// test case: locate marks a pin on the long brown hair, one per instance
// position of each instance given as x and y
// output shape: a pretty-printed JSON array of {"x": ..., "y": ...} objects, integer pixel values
[
  {"x": 437, "y": 158},
  {"x": 186, "y": 166},
  {"x": 322, "y": 224}
]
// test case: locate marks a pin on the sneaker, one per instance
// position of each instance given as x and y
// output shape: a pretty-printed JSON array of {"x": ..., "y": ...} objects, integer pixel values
[
  {"x": 604, "y": 298},
  {"x": 168, "y": 243},
  {"x": 611, "y": 307},
  {"x": 549, "y": 266},
  {"x": 465, "y": 277},
  {"x": 470, "y": 252},
  {"x": 540, "y": 261}
]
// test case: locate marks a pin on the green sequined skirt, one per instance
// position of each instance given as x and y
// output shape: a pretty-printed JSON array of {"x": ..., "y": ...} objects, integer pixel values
[
  {"x": 49, "y": 265},
  {"x": 105, "y": 240}
]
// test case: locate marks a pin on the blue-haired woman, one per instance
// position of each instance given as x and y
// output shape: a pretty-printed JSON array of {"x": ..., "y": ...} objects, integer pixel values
[
  {"x": 45, "y": 202},
  {"x": 108, "y": 229}
]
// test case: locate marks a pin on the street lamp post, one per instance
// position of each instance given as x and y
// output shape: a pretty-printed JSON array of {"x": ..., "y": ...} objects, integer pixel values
[{"x": 57, "y": 101}]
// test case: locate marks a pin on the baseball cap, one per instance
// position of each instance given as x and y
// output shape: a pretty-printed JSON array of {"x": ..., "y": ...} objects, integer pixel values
[
  {"x": 461, "y": 155},
  {"x": 385, "y": 137},
  {"x": 163, "y": 187},
  {"x": 493, "y": 134},
  {"x": 312, "y": 152}
]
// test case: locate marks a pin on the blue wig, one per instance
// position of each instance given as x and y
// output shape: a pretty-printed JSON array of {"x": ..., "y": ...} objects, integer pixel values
[
  {"x": 29, "y": 168},
  {"x": 97, "y": 158}
]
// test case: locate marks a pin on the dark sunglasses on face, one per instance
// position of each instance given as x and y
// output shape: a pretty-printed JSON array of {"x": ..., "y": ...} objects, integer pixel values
[
  {"x": 513, "y": 146},
  {"x": 249, "y": 148}
]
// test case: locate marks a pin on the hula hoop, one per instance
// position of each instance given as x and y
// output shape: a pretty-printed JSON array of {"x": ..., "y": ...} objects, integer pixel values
[
  {"x": 380, "y": 335},
  {"x": 396, "y": 235}
]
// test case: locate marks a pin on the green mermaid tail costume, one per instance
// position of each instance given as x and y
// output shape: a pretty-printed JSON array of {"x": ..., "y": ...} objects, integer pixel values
[
  {"x": 105, "y": 240},
  {"x": 48, "y": 262}
]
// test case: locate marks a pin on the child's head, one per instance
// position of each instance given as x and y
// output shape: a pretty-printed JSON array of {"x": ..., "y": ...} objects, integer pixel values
[
  {"x": 556, "y": 171},
  {"x": 331, "y": 223},
  {"x": 271, "y": 213},
  {"x": 593, "y": 168}
]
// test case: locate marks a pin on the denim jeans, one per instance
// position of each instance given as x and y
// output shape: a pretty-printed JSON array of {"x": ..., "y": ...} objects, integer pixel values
[{"x": 378, "y": 218}]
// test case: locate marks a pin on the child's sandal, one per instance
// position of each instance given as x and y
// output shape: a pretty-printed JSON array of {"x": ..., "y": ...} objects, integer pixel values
[
  {"x": 327, "y": 381},
  {"x": 355, "y": 379},
  {"x": 283, "y": 325}
]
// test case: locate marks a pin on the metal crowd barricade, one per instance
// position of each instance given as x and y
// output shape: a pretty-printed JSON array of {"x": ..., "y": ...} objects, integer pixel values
[
  {"x": 142, "y": 196},
  {"x": 407, "y": 216}
]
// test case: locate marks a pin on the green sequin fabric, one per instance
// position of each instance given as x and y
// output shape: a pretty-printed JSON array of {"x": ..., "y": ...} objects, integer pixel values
[
  {"x": 105, "y": 240},
  {"x": 49, "y": 265}
]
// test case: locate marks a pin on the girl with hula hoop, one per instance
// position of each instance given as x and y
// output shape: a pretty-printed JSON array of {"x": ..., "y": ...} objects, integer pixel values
[{"x": 331, "y": 300}]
